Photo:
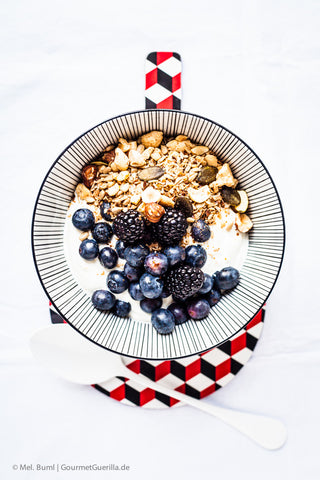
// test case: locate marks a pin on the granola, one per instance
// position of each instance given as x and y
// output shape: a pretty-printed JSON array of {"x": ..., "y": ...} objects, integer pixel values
[{"x": 157, "y": 170}]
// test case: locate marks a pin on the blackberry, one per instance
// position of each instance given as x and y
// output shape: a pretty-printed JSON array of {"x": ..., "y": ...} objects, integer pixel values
[
  {"x": 129, "y": 226},
  {"x": 184, "y": 281},
  {"x": 171, "y": 228}
]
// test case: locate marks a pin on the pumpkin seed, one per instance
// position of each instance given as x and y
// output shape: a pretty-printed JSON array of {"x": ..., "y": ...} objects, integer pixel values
[
  {"x": 207, "y": 175},
  {"x": 230, "y": 195},
  {"x": 184, "y": 205},
  {"x": 150, "y": 173}
]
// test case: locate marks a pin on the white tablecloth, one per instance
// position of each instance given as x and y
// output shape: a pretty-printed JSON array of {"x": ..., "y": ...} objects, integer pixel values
[{"x": 253, "y": 66}]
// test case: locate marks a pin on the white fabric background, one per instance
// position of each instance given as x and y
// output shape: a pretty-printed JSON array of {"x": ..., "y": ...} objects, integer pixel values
[{"x": 253, "y": 66}]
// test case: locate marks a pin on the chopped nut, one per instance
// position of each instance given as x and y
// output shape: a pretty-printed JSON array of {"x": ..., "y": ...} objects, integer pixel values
[
  {"x": 122, "y": 176},
  {"x": 164, "y": 150},
  {"x": 82, "y": 191},
  {"x": 135, "y": 199},
  {"x": 156, "y": 155},
  {"x": 199, "y": 150},
  {"x": 83, "y": 236},
  {"x": 243, "y": 222},
  {"x": 88, "y": 174},
  {"x": 121, "y": 160},
  {"x": 90, "y": 200},
  {"x": 212, "y": 160},
  {"x": 136, "y": 159},
  {"x": 225, "y": 177},
  {"x": 172, "y": 145},
  {"x": 181, "y": 138},
  {"x": 147, "y": 153},
  {"x": 199, "y": 195},
  {"x": 166, "y": 201},
  {"x": 152, "y": 139},
  {"x": 124, "y": 145},
  {"x": 114, "y": 167},
  {"x": 150, "y": 195},
  {"x": 112, "y": 191}
]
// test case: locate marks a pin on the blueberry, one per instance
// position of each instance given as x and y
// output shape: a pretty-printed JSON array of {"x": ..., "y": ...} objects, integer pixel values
[
  {"x": 151, "y": 286},
  {"x": 135, "y": 291},
  {"x": 120, "y": 248},
  {"x": 227, "y": 278},
  {"x": 105, "y": 211},
  {"x": 108, "y": 257},
  {"x": 103, "y": 300},
  {"x": 83, "y": 219},
  {"x": 149, "y": 305},
  {"x": 165, "y": 293},
  {"x": 102, "y": 232},
  {"x": 175, "y": 255},
  {"x": 213, "y": 297},
  {"x": 196, "y": 256},
  {"x": 121, "y": 308},
  {"x": 156, "y": 263},
  {"x": 163, "y": 321},
  {"x": 117, "y": 282},
  {"x": 89, "y": 249},
  {"x": 135, "y": 255},
  {"x": 179, "y": 312},
  {"x": 198, "y": 308},
  {"x": 132, "y": 273},
  {"x": 207, "y": 284},
  {"x": 200, "y": 231}
]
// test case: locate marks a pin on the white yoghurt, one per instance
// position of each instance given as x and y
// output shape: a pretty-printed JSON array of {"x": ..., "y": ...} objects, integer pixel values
[{"x": 226, "y": 247}]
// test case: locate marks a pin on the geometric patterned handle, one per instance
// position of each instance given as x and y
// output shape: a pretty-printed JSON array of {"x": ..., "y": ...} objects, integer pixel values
[{"x": 163, "y": 80}]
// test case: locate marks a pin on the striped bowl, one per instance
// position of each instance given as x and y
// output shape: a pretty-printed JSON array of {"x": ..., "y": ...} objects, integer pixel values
[{"x": 132, "y": 337}]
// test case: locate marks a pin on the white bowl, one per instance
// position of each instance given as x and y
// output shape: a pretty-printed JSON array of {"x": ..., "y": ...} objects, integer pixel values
[{"x": 130, "y": 336}]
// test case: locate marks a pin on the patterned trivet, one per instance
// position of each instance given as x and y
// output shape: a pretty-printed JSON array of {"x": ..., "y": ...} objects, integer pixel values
[{"x": 198, "y": 375}]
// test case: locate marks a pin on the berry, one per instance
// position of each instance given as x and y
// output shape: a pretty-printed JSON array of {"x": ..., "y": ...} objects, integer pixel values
[
  {"x": 156, "y": 264},
  {"x": 89, "y": 249},
  {"x": 132, "y": 273},
  {"x": 129, "y": 226},
  {"x": 120, "y": 248},
  {"x": 165, "y": 293},
  {"x": 200, "y": 231},
  {"x": 207, "y": 284},
  {"x": 198, "y": 308},
  {"x": 103, "y": 300},
  {"x": 213, "y": 297},
  {"x": 83, "y": 219},
  {"x": 179, "y": 312},
  {"x": 149, "y": 305},
  {"x": 108, "y": 257},
  {"x": 171, "y": 227},
  {"x": 102, "y": 232},
  {"x": 151, "y": 286},
  {"x": 175, "y": 255},
  {"x": 135, "y": 255},
  {"x": 135, "y": 291},
  {"x": 149, "y": 236},
  {"x": 105, "y": 211},
  {"x": 117, "y": 282},
  {"x": 121, "y": 308},
  {"x": 184, "y": 281},
  {"x": 196, "y": 256},
  {"x": 163, "y": 321},
  {"x": 227, "y": 278}
]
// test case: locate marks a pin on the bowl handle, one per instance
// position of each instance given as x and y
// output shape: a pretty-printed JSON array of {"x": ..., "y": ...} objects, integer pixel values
[{"x": 163, "y": 80}]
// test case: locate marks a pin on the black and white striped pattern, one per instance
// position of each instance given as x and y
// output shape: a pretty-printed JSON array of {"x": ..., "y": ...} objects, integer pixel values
[{"x": 132, "y": 337}]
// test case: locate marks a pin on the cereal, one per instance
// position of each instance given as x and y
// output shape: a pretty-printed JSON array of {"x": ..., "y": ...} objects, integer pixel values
[{"x": 171, "y": 167}]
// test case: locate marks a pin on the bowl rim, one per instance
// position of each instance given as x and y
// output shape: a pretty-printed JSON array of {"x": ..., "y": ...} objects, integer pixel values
[{"x": 145, "y": 111}]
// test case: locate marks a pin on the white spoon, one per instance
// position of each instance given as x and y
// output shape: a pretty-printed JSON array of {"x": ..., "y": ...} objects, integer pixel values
[{"x": 71, "y": 356}]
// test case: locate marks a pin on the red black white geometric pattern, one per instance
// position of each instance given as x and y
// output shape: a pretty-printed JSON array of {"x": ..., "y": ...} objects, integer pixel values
[
  {"x": 163, "y": 80},
  {"x": 197, "y": 376}
]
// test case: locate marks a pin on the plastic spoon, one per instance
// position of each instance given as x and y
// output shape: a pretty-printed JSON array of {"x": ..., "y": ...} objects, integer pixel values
[{"x": 71, "y": 356}]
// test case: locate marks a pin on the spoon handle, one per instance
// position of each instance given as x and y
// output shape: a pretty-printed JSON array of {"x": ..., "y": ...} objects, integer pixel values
[{"x": 267, "y": 432}]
